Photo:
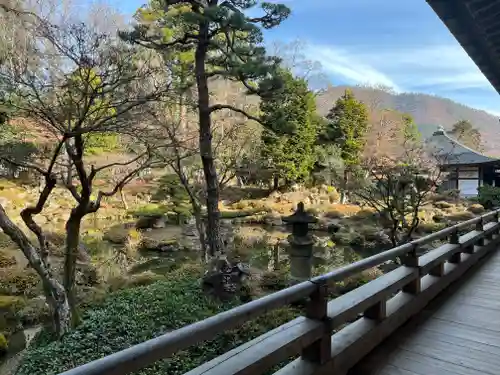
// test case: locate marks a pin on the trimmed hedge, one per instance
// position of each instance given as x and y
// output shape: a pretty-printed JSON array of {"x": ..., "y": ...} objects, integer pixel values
[
  {"x": 489, "y": 196},
  {"x": 132, "y": 316}
]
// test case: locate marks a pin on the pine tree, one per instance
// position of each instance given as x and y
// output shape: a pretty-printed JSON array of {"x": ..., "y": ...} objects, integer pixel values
[
  {"x": 464, "y": 132},
  {"x": 290, "y": 132},
  {"x": 226, "y": 43},
  {"x": 347, "y": 127}
]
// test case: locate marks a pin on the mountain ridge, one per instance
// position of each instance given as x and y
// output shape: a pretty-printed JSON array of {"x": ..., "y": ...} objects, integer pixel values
[{"x": 428, "y": 111}]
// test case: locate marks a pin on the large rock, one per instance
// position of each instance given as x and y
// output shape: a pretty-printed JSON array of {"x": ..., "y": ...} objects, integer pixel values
[
  {"x": 151, "y": 222},
  {"x": 476, "y": 209},
  {"x": 273, "y": 219},
  {"x": 160, "y": 245}
]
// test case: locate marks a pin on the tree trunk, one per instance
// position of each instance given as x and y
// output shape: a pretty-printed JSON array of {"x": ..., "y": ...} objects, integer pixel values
[
  {"x": 343, "y": 193},
  {"x": 122, "y": 197},
  {"x": 213, "y": 228},
  {"x": 200, "y": 227},
  {"x": 72, "y": 244},
  {"x": 276, "y": 257},
  {"x": 276, "y": 182},
  {"x": 54, "y": 291}
]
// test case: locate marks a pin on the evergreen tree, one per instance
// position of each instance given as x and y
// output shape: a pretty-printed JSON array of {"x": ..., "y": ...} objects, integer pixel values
[
  {"x": 227, "y": 44},
  {"x": 347, "y": 127},
  {"x": 291, "y": 125},
  {"x": 464, "y": 132}
]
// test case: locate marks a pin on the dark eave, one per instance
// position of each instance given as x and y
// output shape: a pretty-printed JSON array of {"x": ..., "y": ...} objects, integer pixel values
[{"x": 476, "y": 26}]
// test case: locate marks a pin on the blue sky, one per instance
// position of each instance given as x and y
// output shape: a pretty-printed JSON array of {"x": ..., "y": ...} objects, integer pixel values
[{"x": 397, "y": 43}]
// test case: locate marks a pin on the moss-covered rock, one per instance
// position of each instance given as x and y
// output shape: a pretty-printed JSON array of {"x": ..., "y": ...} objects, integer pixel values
[
  {"x": 4, "y": 344},
  {"x": 121, "y": 235},
  {"x": 431, "y": 227},
  {"x": 160, "y": 245},
  {"x": 35, "y": 311},
  {"x": 5, "y": 241},
  {"x": 6, "y": 260},
  {"x": 443, "y": 204},
  {"x": 439, "y": 218},
  {"x": 460, "y": 216},
  {"x": 15, "y": 281},
  {"x": 10, "y": 317},
  {"x": 476, "y": 209}
]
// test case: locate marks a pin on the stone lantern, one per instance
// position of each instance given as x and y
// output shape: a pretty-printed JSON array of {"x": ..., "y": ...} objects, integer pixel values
[{"x": 301, "y": 244}]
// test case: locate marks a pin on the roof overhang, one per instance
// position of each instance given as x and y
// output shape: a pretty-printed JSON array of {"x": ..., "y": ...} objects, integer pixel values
[{"x": 476, "y": 26}]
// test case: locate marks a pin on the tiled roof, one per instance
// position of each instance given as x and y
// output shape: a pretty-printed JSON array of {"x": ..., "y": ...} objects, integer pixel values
[{"x": 452, "y": 152}]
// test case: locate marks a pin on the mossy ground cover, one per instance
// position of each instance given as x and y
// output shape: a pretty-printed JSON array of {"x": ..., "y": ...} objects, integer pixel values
[{"x": 131, "y": 316}]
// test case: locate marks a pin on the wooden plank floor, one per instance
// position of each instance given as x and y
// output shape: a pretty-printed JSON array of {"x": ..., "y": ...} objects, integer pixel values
[{"x": 457, "y": 334}]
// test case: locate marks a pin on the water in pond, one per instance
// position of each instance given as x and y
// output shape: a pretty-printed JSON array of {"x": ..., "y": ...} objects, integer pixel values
[{"x": 254, "y": 245}]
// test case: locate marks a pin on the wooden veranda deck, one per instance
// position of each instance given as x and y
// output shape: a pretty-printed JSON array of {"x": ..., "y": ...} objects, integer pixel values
[{"x": 458, "y": 334}]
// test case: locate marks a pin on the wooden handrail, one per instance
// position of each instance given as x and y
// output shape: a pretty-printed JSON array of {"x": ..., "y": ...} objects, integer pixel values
[{"x": 385, "y": 303}]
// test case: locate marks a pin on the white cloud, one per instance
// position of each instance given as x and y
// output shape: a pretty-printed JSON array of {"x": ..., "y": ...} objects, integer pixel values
[
  {"x": 342, "y": 63},
  {"x": 442, "y": 67}
]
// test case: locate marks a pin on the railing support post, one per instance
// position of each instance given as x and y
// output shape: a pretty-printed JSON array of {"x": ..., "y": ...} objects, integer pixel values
[
  {"x": 411, "y": 260},
  {"x": 377, "y": 312},
  {"x": 480, "y": 242},
  {"x": 320, "y": 350},
  {"x": 455, "y": 240},
  {"x": 437, "y": 270}
]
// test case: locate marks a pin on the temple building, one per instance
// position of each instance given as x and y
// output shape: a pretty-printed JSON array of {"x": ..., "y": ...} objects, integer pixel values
[{"x": 465, "y": 168}]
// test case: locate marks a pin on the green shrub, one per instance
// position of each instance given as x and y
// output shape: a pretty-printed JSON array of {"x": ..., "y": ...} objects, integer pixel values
[
  {"x": 171, "y": 187},
  {"x": 447, "y": 195},
  {"x": 489, "y": 196},
  {"x": 275, "y": 280},
  {"x": 99, "y": 143},
  {"x": 150, "y": 209},
  {"x": 132, "y": 316},
  {"x": 183, "y": 211}
]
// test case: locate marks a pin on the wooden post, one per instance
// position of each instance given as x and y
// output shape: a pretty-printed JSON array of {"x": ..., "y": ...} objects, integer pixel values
[
  {"x": 377, "y": 312},
  {"x": 320, "y": 350},
  {"x": 480, "y": 242},
  {"x": 437, "y": 270},
  {"x": 455, "y": 240},
  {"x": 411, "y": 260}
]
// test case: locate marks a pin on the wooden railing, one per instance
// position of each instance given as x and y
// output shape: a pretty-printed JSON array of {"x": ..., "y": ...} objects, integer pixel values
[{"x": 333, "y": 335}]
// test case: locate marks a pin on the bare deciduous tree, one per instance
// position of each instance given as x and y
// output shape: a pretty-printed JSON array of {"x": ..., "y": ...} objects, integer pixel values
[
  {"x": 85, "y": 84},
  {"x": 399, "y": 186}
]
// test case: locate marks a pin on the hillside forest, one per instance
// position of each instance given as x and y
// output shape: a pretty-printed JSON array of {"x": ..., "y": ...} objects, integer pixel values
[{"x": 142, "y": 160}]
